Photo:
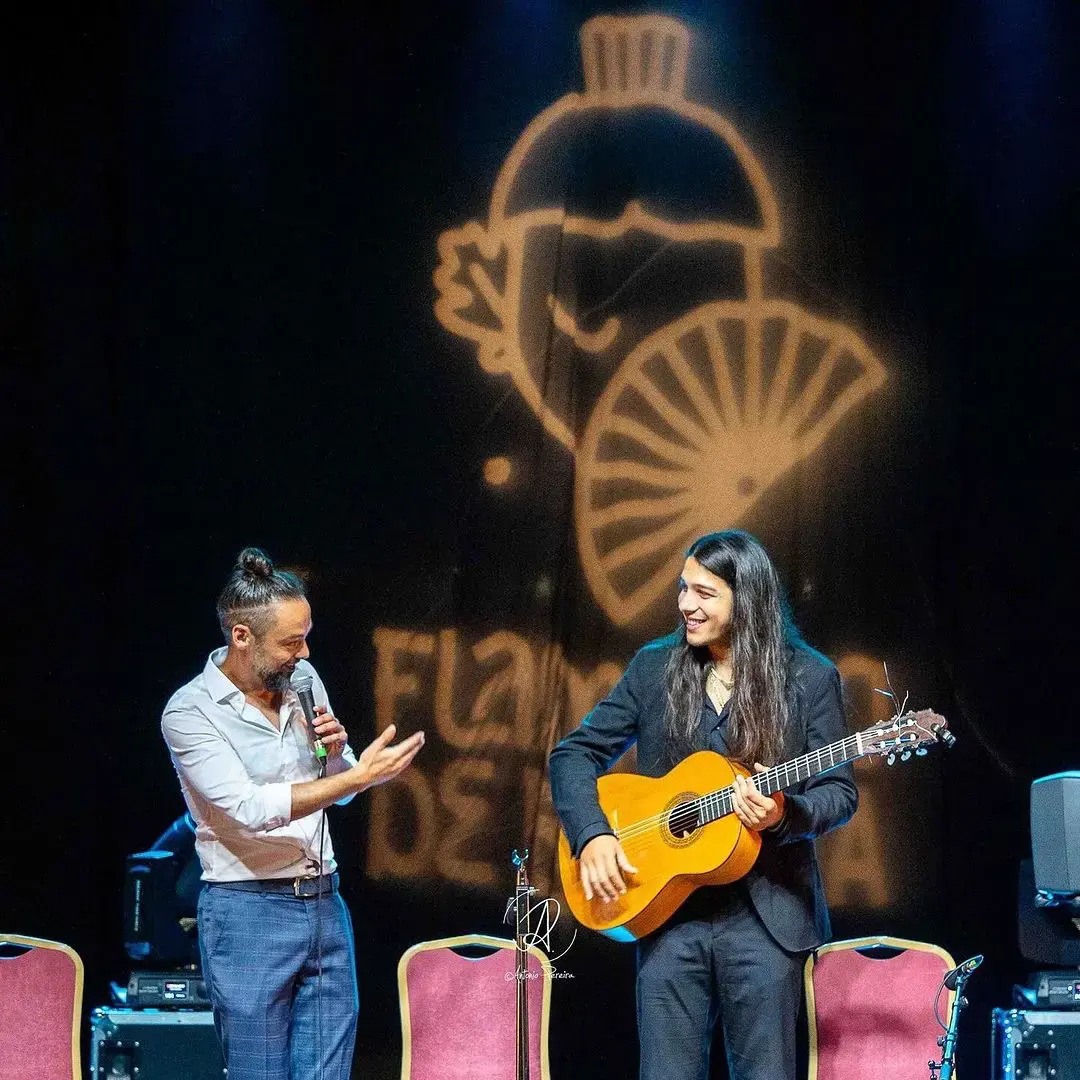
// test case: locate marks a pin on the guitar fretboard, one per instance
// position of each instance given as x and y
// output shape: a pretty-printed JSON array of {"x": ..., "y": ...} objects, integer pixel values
[{"x": 717, "y": 804}]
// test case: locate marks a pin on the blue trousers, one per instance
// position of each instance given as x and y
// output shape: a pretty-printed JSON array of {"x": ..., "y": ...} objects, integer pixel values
[
  {"x": 717, "y": 962},
  {"x": 277, "y": 1019}
]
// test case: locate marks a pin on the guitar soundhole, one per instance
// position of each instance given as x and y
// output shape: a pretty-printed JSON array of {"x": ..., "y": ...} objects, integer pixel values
[{"x": 684, "y": 821}]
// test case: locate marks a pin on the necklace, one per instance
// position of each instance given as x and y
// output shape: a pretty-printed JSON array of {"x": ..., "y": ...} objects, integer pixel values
[
  {"x": 714, "y": 673},
  {"x": 718, "y": 688}
]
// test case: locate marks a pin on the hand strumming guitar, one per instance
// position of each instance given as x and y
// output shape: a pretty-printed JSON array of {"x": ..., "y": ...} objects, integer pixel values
[{"x": 603, "y": 862}]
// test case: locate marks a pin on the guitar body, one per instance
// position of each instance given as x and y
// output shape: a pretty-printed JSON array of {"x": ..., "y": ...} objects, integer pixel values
[{"x": 670, "y": 867}]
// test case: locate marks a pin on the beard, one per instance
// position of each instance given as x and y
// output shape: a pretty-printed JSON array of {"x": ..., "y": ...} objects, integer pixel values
[{"x": 276, "y": 680}]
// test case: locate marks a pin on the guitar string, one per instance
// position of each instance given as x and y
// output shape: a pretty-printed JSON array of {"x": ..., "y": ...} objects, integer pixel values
[{"x": 721, "y": 798}]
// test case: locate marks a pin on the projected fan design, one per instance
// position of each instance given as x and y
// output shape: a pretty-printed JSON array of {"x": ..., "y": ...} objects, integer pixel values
[
  {"x": 697, "y": 423},
  {"x": 700, "y": 416}
]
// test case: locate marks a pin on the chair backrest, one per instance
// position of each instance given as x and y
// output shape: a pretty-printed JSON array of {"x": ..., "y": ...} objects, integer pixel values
[
  {"x": 41, "y": 988},
  {"x": 873, "y": 1015},
  {"x": 458, "y": 1013}
]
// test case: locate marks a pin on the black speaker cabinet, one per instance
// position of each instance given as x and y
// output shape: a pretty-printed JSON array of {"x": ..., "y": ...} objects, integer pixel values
[
  {"x": 1036, "y": 1044},
  {"x": 1055, "y": 832},
  {"x": 144, "y": 1044}
]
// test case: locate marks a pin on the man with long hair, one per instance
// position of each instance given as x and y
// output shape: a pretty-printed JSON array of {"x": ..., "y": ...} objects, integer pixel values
[
  {"x": 275, "y": 936},
  {"x": 737, "y": 679}
]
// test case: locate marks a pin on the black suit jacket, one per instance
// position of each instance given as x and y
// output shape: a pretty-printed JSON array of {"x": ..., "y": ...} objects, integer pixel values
[{"x": 785, "y": 883}]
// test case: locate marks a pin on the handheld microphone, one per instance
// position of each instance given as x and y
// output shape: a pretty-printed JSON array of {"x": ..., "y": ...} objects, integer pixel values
[
  {"x": 962, "y": 972},
  {"x": 301, "y": 685}
]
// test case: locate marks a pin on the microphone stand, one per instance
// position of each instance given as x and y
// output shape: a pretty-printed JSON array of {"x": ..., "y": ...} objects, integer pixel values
[
  {"x": 522, "y": 891},
  {"x": 946, "y": 1067}
]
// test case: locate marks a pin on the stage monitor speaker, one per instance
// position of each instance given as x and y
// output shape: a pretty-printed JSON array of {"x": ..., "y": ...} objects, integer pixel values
[
  {"x": 1036, "y": 1044},
  {"x": 1048, "y": 935},
  {"x": 1055, "y": 832},
  {"x": 144, "y": 1044}
]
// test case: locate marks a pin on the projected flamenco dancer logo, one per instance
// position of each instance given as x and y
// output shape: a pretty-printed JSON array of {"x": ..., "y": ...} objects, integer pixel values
[{"x": 618, "y": 281}]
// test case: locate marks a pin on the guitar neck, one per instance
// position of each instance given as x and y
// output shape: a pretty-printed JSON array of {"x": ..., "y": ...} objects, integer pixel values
[{"x": 717, "y": 804}]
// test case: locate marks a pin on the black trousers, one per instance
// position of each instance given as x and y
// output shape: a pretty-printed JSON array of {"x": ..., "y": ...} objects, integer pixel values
[{"x": 717, "y": 962}]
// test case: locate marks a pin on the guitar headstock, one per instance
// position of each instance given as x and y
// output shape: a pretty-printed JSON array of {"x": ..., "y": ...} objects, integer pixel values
[{"x": 905, "y": 735}]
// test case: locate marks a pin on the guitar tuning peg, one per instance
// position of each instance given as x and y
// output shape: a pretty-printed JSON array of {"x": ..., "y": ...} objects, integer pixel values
[
  {"x": 905, "y": 755},
  {"x": 921, "y": 752},
  {"x": 891, "y": 759}
]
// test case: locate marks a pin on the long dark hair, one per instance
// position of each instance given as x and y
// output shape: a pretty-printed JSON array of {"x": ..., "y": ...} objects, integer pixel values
[{"x": 762, "y": 635}]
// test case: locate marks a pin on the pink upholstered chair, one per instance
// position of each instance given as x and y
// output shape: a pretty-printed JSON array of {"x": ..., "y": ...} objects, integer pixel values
[
  {"x": 458, "y": 1013},
  {"x": 41, "y": 988},
  {"x": 873, "y": 1016}
]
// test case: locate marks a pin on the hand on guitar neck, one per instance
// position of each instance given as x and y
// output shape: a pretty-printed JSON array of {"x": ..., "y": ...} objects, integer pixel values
[
  {"x": 603, "y": 861},
  {"x": 756, "y": 811}
]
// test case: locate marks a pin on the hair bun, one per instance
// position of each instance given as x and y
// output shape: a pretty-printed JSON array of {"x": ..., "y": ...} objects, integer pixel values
[{"x": 255, "y": 561}]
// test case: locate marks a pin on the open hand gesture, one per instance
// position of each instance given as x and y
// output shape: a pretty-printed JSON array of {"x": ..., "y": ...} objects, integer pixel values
[{"x": 380, "y": 761}]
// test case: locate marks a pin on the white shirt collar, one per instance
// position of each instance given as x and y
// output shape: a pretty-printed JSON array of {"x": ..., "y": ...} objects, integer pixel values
[{"x": 220, "y": 686}]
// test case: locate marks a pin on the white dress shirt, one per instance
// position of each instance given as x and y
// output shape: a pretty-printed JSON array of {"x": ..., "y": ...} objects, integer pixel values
[{"x": 236, "y": 771}]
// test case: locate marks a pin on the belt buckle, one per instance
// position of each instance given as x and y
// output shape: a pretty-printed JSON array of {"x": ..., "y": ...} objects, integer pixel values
[{"x": 296, "y": 888}]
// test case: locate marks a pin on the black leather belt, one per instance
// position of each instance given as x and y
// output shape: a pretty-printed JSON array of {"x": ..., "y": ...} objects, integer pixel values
[{"x": 303, "y": 888}]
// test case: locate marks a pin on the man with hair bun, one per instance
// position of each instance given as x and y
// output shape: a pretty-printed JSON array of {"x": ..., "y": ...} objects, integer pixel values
[{"x": 275, "y": 936}]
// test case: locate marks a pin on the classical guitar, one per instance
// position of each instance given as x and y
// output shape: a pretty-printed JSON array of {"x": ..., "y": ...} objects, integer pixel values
[{"x": 681, "y": 833}]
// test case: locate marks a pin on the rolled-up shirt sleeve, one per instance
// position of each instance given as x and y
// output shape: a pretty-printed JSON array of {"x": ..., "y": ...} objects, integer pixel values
[
  {"x": 342, "y": 763},
  {"x": 207, "y": 763}
]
